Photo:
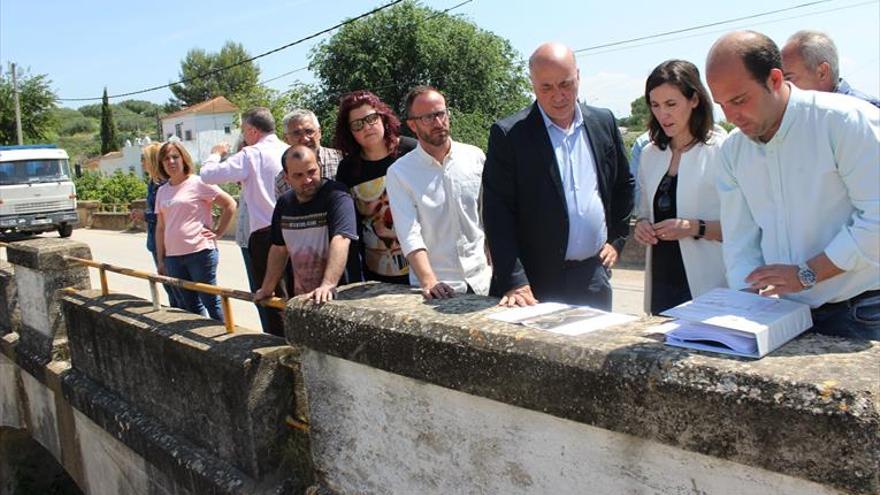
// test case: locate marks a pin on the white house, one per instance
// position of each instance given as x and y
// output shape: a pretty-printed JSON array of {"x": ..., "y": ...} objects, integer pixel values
[
  {"x": 203, "y": 125},
  {"x": 128, "y": 159}
]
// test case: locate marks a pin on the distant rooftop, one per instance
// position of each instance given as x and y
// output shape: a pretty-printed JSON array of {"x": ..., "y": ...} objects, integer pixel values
[{"x": 215, "y": 105}]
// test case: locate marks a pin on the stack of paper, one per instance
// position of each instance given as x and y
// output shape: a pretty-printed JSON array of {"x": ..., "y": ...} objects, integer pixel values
[
  {"x": 736, "y": 322},
  {"x": 562, "y": 318}
]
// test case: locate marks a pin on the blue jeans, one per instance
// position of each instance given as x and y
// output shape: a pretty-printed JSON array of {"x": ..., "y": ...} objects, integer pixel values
[
  {"x": 858, "y": 318},
  {"x": 201, "y": 267}
]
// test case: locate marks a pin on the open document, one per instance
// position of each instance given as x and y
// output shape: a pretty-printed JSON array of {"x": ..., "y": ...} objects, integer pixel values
[
  {"x": 735, "y": 322},
  {"x": 562, "y": 318}
]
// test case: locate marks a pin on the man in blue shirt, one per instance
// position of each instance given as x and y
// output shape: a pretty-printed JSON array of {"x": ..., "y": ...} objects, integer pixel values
[{"x": 809, "y": 61}]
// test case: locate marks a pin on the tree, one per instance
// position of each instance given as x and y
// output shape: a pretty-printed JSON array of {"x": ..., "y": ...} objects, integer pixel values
[
  {"x": 108, "y": 127},
  {"x": 480, "y": 73},
  {"x": 638, "y": 116},
  {"x": 37, "y": 102},
  {"x": 201, "y": 84}
]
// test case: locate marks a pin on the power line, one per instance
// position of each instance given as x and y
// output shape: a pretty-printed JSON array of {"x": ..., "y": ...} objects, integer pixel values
[
  {"x": 222, "y": 69},
  {"x": 438, "y": 14},
  {"x": 697, "y": 35},
  {"x": 702, "y": 26}
]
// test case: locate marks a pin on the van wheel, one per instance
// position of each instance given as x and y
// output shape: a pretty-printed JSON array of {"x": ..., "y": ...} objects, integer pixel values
[{"x": 65, "y": 229}]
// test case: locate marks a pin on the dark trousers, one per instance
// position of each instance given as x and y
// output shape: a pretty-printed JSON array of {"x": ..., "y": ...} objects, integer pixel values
[
  {"x": 857, "y": 318},
  {"x": 254, "y": 284},
  {"x": 258, "y": 249},
  {"x": 583, "y": 283}
]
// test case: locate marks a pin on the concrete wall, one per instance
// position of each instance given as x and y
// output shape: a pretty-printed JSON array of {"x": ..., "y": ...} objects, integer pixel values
[
  {"x": 408, "y": 396},
  {"x": 136, "y": 401}
]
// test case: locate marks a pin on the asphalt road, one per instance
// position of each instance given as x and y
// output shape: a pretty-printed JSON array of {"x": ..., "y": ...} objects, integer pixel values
[{"x": 129, "y": 250}]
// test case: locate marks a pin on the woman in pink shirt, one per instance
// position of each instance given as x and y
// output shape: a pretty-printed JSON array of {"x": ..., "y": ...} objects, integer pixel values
[{"x": 186, "y": 245}]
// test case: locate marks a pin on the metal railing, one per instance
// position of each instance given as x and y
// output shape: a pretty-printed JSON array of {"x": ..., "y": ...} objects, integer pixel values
[{"x": 154, "y": 279}]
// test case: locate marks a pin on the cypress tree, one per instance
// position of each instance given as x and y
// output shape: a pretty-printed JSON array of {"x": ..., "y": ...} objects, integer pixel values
[{"x": 108, "y": 127}]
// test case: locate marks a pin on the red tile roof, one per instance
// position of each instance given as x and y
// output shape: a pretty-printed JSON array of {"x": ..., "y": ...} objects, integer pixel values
[{"x": 215, "y": 105}]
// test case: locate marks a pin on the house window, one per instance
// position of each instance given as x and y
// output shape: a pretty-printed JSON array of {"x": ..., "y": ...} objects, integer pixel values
[
  {"x": 227, "y": 129},
  {"x": 178, "y": 130},
  {"x": 189, "y": 135}
]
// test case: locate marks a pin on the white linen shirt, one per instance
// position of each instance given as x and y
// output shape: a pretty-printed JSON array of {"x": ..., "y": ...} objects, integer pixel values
[
  {"x": 255, "y": 167},
  {"x": 435, "y": 207},
  {"x": 813, "y": 188},
  {"x": 587, "y": 233}
]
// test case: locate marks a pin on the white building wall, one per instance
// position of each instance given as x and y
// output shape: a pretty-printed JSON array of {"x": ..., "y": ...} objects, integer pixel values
[
  {"x": 129, "y": 162},
  {"x": 206, "y": 131}
]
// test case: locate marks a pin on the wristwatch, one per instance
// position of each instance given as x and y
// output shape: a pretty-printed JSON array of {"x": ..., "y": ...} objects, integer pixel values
[
  {"x": 806, "y": 276},
  {"x": 701, "y": 230}
]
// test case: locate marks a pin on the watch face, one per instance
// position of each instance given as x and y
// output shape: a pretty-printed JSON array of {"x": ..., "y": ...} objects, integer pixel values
[{"x": 807, "y": 277}]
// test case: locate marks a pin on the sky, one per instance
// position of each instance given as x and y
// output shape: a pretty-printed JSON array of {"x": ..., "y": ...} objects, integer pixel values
[{"x": 86, "y": 45}]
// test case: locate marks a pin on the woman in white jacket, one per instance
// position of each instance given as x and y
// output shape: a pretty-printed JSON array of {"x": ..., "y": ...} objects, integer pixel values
[{"x": 679, "y": 207}]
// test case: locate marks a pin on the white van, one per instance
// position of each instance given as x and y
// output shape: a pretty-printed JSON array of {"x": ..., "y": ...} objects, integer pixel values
[{"x": 37, "y": 193}]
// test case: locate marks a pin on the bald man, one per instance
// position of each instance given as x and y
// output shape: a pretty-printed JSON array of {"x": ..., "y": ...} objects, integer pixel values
[
  {"x": 557, "y": 192},
  {"x": 799, "y": 187}
]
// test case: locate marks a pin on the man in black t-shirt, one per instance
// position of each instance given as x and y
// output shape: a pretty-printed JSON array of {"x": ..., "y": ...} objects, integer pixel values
[{"x": 314, "y": 225}]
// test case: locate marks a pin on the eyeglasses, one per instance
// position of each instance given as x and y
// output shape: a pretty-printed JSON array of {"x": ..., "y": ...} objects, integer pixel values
[
  {"x": 307, "y": 132},
  {"x": 664, "y": 196},
  {"x": 358, "y": 124},
  {"x": 428, "y": 118}
]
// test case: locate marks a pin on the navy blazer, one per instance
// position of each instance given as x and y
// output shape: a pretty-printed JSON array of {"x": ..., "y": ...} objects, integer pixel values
[{"x": 524, "y": 210}]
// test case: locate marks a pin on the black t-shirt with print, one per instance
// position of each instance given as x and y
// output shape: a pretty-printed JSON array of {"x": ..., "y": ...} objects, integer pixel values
[
  {"x": 306, "y": 229},
  {"x": 381, "y": 256}
]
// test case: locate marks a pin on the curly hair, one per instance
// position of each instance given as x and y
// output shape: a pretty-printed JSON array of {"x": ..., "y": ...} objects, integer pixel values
[{"x": 344, "y": 139}]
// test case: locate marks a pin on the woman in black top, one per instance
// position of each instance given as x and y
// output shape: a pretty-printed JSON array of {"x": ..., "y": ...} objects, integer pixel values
[{"x": 368, "y": 133}]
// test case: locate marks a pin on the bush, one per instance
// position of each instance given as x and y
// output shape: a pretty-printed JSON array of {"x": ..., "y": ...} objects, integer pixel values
[{"x": 117, "y": 188}]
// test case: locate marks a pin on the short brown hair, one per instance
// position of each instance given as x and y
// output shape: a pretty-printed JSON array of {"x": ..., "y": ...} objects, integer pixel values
[
  {"x": 184, "y": 156},
  {"x": 415, "y": 93},
  {"x": 686, "y": 77}
]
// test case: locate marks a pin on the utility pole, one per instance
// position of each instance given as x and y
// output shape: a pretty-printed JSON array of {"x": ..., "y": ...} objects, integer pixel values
[{"x": 17, "y": 105}]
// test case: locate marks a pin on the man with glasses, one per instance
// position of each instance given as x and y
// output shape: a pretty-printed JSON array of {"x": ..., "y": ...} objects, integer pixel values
[
  {"x": 255, "y": 167},
  {"x": 301, "y": 127},
  {"x": 435, "y": 195},
  {"x": 557, "y": 192}
]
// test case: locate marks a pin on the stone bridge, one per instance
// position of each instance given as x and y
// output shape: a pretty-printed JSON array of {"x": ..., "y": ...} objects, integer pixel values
[{"x": 381, "y": 392}]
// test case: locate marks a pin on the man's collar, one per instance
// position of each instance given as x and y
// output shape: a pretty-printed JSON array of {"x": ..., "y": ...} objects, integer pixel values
[
  {"x": 575, "y": 122},
  {"x": 428, "y": 156}
]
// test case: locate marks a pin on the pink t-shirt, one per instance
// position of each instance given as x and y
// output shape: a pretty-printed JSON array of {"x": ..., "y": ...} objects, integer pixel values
[{"x": 186, "y": 210}]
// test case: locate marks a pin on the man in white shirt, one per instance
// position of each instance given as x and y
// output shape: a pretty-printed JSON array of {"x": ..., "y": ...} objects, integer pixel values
[
  {"x": 255, "y": 166},
  {"x": 799, "y": 187},
  {"x": 435, "y": 195}
]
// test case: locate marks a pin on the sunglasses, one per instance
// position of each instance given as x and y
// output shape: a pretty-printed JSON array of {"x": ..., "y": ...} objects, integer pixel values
[
  {"x": 358, "y": 124},
  {"x": 664, "y": 199}
]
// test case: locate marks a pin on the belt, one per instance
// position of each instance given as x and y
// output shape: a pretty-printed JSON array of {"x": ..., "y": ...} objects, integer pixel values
[
  {"x": 850, "y": 301},
  {"x": 576, "y": 263}
]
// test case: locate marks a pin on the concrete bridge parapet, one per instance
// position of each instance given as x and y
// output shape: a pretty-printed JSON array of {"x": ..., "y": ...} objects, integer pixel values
[
  {"x": 429, "y": 397},
  {"x": 137, "y": 401}
]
